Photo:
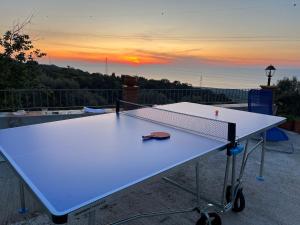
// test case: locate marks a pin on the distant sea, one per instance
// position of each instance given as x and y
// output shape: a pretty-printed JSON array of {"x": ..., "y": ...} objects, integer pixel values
[{"x": 197, "y": 75}]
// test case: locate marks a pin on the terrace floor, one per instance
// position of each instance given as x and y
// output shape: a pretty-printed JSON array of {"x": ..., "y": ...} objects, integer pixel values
[{"x": 276, "y": 201}]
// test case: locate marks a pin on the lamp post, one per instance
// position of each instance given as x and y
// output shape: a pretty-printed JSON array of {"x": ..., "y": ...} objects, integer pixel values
[{"x": 270, "y": 70}]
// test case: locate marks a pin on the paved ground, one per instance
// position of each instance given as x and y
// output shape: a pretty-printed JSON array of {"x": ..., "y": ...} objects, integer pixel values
[{"x": 276, "y": 201}]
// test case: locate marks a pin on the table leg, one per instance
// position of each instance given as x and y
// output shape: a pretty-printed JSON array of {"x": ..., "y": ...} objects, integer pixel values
[
  {"x": 262, "y": 162},
  {"x": 22, "y": 209},
  {"x": 198, "y": 183},
  {"x": 223, "y": 200},
  {"x": 92, "y": 217},
  {"x": 233, "y": 178}
]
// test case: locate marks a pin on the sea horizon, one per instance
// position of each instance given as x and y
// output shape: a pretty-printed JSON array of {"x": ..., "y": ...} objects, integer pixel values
[{"x": 215, "y": 77}]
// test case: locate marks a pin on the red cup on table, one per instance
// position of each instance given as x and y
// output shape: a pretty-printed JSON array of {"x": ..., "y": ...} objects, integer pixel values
[{"x": 216, "y": 112}]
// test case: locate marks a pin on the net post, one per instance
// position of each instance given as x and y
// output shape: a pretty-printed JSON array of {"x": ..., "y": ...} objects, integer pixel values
[
  {"x": 231, "y": 137},
  {"x": 118, "y": 106}
]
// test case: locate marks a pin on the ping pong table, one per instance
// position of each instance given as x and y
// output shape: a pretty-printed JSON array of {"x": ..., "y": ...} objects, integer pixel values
[{"x": 71, "y": 165}]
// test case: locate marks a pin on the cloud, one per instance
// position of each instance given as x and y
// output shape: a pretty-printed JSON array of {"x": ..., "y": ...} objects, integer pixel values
[
  {"x": 131, "y": 57},
  {"x": 193, "y": 56}
]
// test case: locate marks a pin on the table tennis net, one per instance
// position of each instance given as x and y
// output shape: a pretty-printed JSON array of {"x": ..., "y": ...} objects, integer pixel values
[{"x": 199, "y": 125}]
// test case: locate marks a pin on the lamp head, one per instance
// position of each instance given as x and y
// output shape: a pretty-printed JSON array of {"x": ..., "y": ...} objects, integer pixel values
[{"x": 270, "y": 70}]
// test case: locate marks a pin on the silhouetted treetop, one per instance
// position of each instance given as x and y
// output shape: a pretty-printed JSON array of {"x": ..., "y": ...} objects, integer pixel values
[{"x": 19, "y": 46}]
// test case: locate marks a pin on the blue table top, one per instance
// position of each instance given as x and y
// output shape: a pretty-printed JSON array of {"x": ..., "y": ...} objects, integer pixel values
[{"x": 70, "y": 164}]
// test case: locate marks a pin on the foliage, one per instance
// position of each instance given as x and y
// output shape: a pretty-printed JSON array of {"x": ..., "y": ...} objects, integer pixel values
[
  {"x": 54, "y": 77},
  {"x": 206, "y": 97},
  {"x": 153, "y": 97},
  {"x": 18, "y": 68},
  {"x": 288, "y": 96},
  {"x": 161, "y": 84},
  {"x": 14, "y": 74},
  {"x": 19, "y": 46},
  {"x": 287, "y": 85}
]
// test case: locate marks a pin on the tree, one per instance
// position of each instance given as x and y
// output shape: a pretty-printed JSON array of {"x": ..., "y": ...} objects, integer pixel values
[
  {"x": 18, "y": 68},
  {"x": 288, "y": 96},
  {"x": 18, "y": 46},
  {"x": 287, "y": 85}
]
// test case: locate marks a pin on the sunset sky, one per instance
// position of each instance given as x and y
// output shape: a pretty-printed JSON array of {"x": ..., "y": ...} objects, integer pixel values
[{"x": 226, "y": 42}]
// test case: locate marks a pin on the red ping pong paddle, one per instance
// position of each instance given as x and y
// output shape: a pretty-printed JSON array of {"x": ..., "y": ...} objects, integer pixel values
[{"x": 157, "y": 135}]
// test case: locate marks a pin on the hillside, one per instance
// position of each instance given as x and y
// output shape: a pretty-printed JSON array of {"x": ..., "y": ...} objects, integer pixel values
[
  {"x": 31, "y": 75},
  {"x": 59, "y": 87}
]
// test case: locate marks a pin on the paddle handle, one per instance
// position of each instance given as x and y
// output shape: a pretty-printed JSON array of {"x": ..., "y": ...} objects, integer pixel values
[{"x": 147, "y": 137}]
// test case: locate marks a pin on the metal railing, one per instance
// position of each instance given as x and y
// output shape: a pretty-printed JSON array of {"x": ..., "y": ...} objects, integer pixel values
[
  {"x": 197, "y": 95},
  {"x": 35, "y": 99},
  {"x": 32, "y": 99}
]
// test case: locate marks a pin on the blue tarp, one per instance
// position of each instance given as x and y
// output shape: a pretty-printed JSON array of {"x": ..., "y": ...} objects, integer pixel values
[{"x": 91, "y": 110}]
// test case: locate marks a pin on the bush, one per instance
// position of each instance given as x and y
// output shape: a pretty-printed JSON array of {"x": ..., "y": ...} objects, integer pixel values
[
  {"x": 288, "y": 96},
  {"x": 153, "y": 97}
]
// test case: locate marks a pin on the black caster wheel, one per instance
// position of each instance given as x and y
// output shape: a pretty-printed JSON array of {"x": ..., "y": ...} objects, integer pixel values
[
  {"x": 239, "y": 202},
  {"x": 214, "y": 217}
]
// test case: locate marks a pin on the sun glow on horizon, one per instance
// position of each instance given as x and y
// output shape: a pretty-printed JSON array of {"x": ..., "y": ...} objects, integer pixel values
[
  {"x": 131, "y": 59},
  {"x": 157, "y": 58},
  {"x": 161, "y": 52}
]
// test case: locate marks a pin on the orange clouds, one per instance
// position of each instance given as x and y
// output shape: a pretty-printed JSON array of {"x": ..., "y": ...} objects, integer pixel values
[
  {"x": 136, "y": 57},
  {"x": 131, "y": 58},
  {"x": 163, "y": 51},
  {"x": 142, "y": 59}
]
